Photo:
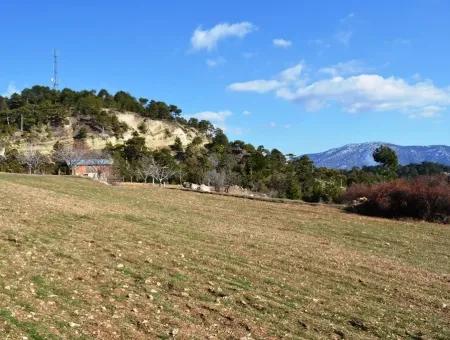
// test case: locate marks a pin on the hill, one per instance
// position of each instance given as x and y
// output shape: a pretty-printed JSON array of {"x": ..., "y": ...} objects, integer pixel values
[
  {"x": 157, "y": 133},
  {"x": 84, "y": 260},
  {"x": 42, "y": 116},
  {"x": 359, "y": 155}
]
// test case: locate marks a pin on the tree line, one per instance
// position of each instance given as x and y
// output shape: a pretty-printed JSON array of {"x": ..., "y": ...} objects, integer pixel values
[
  {"x": 220, "y": 163},
  {"x": 217, "y": 163},
  {"x": 40, "y": 107}
]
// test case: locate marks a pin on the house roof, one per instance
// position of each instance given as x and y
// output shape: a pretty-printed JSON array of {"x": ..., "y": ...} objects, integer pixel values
[{"x": 95, "y": 161}]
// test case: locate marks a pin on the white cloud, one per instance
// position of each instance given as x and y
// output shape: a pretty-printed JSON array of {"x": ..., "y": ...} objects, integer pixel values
[
  {"x": 292, "y": 73},
  {"x": 259, "y": 86},
  {"x": 287, "y": 76},
  {"x": 342, "y": 36},
  {"x": 371, "y": 92},
  {"x": 208, "y": 39},
  {"x": 363, "y": 92},
  {"x": 345, "y": 32},
  {"x": 218, "y": 118},
  {"x": 427, "y": 112},
  {"x": 10, "y": 90},
  {"x": 246, "y": 113},
  {"x": 283, "y": 43},
  {"x": 215, "y": 62},
  {"x": 345, "y": 68},
  {"x": 273, "y": 124}
]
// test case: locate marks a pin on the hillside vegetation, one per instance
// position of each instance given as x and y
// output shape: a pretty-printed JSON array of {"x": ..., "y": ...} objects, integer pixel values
[
  {"x": 150, "y": 140},
  {"x": 84, "y": 260},
  {"x": 42, "y": 116}
]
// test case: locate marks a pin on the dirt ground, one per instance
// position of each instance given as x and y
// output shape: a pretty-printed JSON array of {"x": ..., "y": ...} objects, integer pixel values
[{"x": 84, "y": 260}]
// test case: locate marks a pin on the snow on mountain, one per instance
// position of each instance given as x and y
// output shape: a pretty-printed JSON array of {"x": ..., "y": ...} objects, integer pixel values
[{"x": 358, "y": 155}]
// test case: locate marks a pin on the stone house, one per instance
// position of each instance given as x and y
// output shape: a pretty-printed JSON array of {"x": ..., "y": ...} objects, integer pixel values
[{"x": 95, "y": 168}]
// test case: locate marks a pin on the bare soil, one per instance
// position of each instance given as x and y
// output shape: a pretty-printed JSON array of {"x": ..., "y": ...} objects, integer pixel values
[{"x": 84, "y": 260}]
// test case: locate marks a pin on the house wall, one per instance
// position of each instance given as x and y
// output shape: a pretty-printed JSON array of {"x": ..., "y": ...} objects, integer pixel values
[{"x": 97, "y": 171}]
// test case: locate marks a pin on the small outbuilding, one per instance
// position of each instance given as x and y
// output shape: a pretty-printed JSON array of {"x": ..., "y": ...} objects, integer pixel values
[{"x": 95, "y": 168}]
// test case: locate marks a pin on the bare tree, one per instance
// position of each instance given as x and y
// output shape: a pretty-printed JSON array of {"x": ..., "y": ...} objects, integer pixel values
[
  {"x": 32, "y": 158},
  {"x": 72, "y": 156},
  {"x": 162, "y": 173},
  {"x": 146, "y": 168},
  {"x": 216, "y": 178}
]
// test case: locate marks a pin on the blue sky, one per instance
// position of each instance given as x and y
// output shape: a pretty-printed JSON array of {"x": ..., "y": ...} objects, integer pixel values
[{"x": 302, "y": 76}]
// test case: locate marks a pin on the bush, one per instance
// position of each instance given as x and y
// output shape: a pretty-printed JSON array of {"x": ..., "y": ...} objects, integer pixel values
[
  {"x": 424, "y": 197},
  {"x": 142, "y": 128},
  {"x": 81, "y": 134}
]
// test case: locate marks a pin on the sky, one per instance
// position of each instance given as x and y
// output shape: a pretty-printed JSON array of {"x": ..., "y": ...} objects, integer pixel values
[{"x": 300, "y": 76}]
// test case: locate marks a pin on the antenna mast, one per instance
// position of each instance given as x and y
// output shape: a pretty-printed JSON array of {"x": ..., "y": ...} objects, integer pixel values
[{"x": 55, "y": 70}]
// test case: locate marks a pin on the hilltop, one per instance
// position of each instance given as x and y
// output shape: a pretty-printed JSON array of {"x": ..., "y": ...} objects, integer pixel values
[
  {"x": 360, "y": 154},
  {"x": 42, "y": 116},
  {"x": 80, "y": 259}
]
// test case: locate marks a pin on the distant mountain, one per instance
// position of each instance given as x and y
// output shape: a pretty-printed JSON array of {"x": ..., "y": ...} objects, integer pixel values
[{"x": 358, "y": 155}]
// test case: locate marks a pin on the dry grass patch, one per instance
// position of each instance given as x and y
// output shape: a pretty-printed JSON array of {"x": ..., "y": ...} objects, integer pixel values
[{"x": 80, "y": 259}]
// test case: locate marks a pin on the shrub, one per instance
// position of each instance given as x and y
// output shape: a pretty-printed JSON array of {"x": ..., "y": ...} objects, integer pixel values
[
  {"x": 81, "y": 134},
  {"x": 424, "y": 197},
  {"x": 142, "y": 127}
]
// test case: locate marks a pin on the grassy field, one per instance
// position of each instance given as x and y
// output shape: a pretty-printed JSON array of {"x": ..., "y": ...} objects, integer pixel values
[{"x": 83, "y": 260}]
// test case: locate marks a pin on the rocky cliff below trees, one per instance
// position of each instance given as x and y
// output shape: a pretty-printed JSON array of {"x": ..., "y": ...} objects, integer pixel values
[{"x": 157, "y": 133}]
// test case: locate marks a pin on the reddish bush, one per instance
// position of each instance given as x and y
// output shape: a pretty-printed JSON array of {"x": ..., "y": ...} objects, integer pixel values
[{"x": 423, "y": 197}]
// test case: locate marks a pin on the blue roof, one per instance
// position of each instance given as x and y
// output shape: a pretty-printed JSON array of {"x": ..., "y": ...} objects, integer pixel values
[{"x": 95, "y": 161}]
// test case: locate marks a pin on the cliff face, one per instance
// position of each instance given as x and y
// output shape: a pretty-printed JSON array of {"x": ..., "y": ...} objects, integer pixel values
[{"x": 157, "y": 134}]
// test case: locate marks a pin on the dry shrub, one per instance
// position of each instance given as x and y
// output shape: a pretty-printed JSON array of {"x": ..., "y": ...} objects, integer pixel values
[{"x": 424, "y": 197}]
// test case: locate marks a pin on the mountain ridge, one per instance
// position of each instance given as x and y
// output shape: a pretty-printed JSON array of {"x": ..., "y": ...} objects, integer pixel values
[{"x": 360, "y": 154}]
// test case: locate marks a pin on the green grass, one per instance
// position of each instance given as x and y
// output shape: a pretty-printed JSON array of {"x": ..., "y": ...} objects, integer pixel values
[{"x": 83, "y": 260}]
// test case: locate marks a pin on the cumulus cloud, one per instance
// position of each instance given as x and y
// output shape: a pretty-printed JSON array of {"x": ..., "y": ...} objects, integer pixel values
[
  {"x": 427, "y": 112},
  {"x": 291, "y": 74},
  {"x": 246, "y": 113},
  {"x": 371, "y": 92},
  {"x": 357, "y": 93},
  {"x": 283, "y": 43},
  {"x": 208, "y": 38},
  {"x": 287, "y": 76},
  {"x": 10, "y": 90},
  {"x": 218, "y": 118}
]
